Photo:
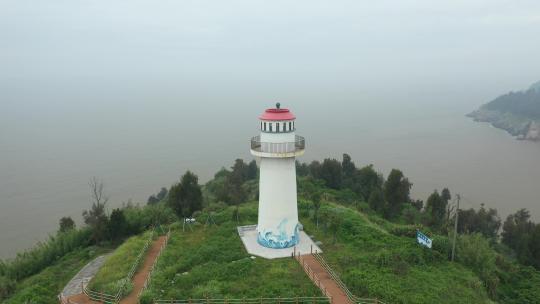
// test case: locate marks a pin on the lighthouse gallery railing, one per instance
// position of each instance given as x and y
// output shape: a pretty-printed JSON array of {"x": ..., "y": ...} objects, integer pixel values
[{"x": 286, "y": 147}]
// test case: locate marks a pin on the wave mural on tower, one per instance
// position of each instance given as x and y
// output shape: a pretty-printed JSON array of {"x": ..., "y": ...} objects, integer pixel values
[{"x": 279, "y": 238}]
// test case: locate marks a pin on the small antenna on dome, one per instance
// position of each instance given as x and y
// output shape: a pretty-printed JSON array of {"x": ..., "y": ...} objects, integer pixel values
[{"x": 278, "y": 105}]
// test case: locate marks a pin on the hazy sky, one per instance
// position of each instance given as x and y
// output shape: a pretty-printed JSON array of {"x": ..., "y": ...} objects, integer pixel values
[
  {"x": 136, "y": 92},
  {"x": 491, "y": 46}
]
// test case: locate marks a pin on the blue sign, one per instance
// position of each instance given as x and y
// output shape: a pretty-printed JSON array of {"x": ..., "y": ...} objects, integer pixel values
[{"x": 423, "y": 239}]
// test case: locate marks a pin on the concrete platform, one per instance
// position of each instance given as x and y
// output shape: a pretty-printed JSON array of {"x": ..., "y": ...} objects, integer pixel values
[{"x": 248, "y": 234}]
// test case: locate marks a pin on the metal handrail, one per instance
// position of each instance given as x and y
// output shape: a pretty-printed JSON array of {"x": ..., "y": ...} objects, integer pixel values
[
  {"x": 285, "y": 147},
  {"x": 260, "y": 300},
  {"x": 354, "y": 299},
  {"x": 111, "y": 299},
  {"x": 149, "y": 277}
]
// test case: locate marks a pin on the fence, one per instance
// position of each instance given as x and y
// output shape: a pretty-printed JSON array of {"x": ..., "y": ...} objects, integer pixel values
[
  {"x": 261, "y": 300},
  {"x": 149, "y": 277},
  {"x": 112, "y": 299},
  {"x": 313, "y": 276},
  {"x": 352, "y": 298}
]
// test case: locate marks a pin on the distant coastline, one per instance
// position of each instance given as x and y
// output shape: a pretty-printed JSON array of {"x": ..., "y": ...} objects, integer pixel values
[{"x": 518, "y": 113}]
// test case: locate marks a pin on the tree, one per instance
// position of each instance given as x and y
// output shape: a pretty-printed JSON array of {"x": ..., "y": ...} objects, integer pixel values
[
  {"x": 186, "y": 196},
  {"x": 96, "y": 217},
  {"x": 117, "y": 224},
  {"x": 396, "y": 192},
  {"x": 252, "y": 171},
  {"x": 348, "y": 167},
  {"x": 331, "y": 173},
  {"x": 66, "y": 224},
  {"x": 376, "y": 201},
  {"x": 154, "y": 199},
  {"x": 486, "y": 222},
  {"x": 534, "y": 246},
  {"x": 335, "y": 220},
  {"x": 316, "y": 200},
  {"x": 517, "y": 230},
  {"x": 436, "y": 206},
  {"x": 302, "y": 169},
  {"x": 418, "y": 204},
  {"x": 366, "y": 180},
  {"x": 475, "y": 252},
  {"x": 162, "y": 194},
  {"x": 234, "y": 183},
  {"x": 445, "y": 195},
  {"x": 315, "y": 169}
]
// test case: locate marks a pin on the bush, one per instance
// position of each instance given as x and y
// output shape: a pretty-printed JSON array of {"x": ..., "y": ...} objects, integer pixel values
[
  {"x": 475, "y": 252},
  {"x": 7, "y": 286},
  {"x": 112, "y": 274},
  {"x": 46, "y": 253},
  {"x": 146, "y": 297}
]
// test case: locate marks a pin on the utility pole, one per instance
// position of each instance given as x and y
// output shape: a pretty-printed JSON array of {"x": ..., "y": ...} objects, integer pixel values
[{"x": 455, "y": 227}]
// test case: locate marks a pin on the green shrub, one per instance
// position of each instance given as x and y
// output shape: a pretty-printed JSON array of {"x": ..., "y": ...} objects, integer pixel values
[
  {"x": 43, "y": 287},
  {"x": 112, "y": 274},
  {"x": 146, "y": 297}
]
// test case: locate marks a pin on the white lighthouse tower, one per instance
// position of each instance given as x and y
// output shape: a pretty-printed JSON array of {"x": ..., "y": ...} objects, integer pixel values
[{"x": 277, "y": 146}]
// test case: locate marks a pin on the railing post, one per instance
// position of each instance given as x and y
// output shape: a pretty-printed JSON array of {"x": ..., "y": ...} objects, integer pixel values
[
  {"x": 296, "y": 299},
  {"x": 261, "y": 300},
  {"x": 207, "y": 301},
  {"x": 279, "y": 299},
  {"x": 189, "y": 300}
]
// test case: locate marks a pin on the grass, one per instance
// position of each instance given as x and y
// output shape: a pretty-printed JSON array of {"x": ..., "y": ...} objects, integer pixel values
[
  {"x": 212, "y": 262},
  {"x": 377, "y": 264},
  {"x": 113, "y": 273},
  {"x": 44, "y": 287}
]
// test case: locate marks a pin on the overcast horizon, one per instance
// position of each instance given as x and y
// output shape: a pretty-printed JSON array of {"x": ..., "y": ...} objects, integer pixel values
[{"x": 137, "y": 92}]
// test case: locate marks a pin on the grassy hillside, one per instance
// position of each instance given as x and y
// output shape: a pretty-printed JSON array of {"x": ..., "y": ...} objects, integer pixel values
[
  {"x": 45, "y": 286},
  {"x": 112, "y": 274},
  {"x": 388, "y": 264},
  {"x": 211, "y": 261}
]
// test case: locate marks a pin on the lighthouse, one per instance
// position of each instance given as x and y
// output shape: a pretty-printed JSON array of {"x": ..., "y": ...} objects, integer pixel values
[{"x": 277, "y": 146}]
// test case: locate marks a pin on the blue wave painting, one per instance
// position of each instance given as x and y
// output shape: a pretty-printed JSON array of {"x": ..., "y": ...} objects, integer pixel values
[{"x": 280, "y": 239}]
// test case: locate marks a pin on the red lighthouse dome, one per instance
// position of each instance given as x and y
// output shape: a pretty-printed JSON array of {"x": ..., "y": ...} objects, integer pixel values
[{"x": 276, "y": 114}]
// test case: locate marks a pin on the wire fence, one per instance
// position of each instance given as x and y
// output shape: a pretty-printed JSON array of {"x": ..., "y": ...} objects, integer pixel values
[
  {"x": 112, "y": 299},
  {"x": 149, "y": 277},
  {"x": 333, "y": 275},
  {"x": 261, "y": 300}
]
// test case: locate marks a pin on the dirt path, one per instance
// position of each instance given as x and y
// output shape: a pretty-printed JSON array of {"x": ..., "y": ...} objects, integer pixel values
[
  {"x": 141, "y": 275},
  {"x": 138, "y": 280},
  {"x": 322, "y": 279}
]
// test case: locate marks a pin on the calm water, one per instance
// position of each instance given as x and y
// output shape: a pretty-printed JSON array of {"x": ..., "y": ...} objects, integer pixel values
[{"x": 147, "y": 139}]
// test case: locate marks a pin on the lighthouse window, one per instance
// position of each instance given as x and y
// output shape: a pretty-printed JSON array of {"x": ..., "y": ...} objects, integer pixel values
[
  {"x": 284, "y": 127},
  {"x": 290, "y": 126},
  {"x": 264, "y": 127},
  {"x": 277, "y": 127},
  {"x": 270, "y": 127}
]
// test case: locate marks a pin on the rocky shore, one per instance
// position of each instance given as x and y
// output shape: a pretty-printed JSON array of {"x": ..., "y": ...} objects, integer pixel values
[{"x": 521, "y": 127}]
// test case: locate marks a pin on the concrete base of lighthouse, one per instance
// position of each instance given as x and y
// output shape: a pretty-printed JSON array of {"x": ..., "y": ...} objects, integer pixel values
[{"x": 249, "y": 236}]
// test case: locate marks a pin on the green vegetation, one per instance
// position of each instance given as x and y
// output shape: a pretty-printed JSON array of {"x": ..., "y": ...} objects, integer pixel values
[
  {"x": 44, "y": 287},
  {"x": 211, "y": 261},
  {"x": 378, "y": 262},
  {"x": 367, "y": 225},
  {"x": 513, "y": 112},
  {"x": 112, "y": 275},
  {"x": 379, "y": 258}
]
